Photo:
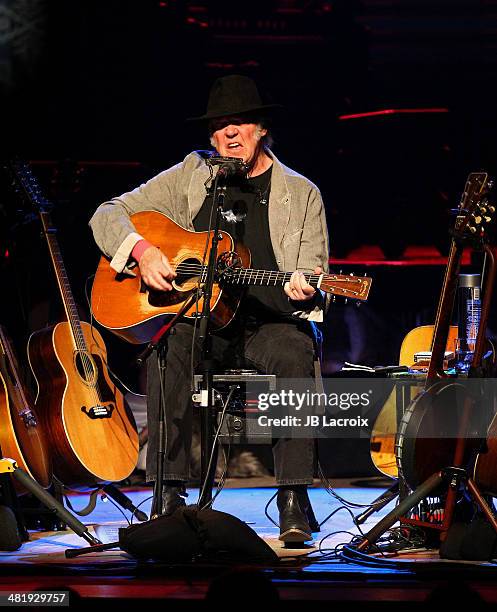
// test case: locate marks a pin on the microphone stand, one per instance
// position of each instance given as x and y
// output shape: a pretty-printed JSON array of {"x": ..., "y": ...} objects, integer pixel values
[
  {"x": 208, "y": 454},
  {"x": 159, "y": 343}
]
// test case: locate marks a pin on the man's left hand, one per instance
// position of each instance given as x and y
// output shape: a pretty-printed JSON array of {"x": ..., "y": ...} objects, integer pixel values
[{"x": 298, "y": 288}]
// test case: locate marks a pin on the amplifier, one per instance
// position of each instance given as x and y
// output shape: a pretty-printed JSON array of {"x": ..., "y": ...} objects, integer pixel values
[{"x": 240, "y": 424}]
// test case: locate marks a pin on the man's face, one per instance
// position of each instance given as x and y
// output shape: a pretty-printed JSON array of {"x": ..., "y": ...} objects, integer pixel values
[{"x": 234, "y": 137}]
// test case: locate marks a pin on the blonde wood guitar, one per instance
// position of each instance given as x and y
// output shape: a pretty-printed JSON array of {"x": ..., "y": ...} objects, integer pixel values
[
  {"x": 93, "y": 437},
  {"x": 91, "y": 433},
  {"x": 384, "y": 431},
  {"x": 125, "y": 306}
]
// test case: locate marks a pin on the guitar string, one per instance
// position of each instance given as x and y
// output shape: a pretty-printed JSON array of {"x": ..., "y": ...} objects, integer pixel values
[
  {"x": 63, "y": 282},
  {"x": 73, "y": 320},
  {"x": 91, "y": 374},
  {"x": 253, "y": 273},
  {"x": 267, "y": 276}
]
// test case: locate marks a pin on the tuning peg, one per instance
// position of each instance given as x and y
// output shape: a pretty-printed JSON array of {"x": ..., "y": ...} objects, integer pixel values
[
  {"x": 491, "y": 209},
  {"x": 472, "y": 229},
  {"x": 487, "y": 219}
]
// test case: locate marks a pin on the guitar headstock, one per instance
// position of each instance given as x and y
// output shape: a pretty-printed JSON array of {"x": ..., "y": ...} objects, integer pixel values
[
  {"x": 23, "y": 176},
  {"x": 347, "y": 286},
  {"x": 475, "y": 210}
]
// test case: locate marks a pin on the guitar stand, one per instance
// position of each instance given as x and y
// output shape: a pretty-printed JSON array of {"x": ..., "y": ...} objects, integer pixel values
[
  {"x": 379, "y": 503},
  {"x": 453, "y": 477},
  {"x": 9, "y": 466}
]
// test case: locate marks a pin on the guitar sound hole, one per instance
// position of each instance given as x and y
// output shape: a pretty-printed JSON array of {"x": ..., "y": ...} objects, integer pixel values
[
  {"x": 85, "y": 367},
  {"x": 186, "y": 281},
  {"x": 188, "y": 272}
]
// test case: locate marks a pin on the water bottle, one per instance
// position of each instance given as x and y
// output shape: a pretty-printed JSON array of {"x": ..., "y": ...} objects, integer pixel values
[{"x": 469, "y": 313}]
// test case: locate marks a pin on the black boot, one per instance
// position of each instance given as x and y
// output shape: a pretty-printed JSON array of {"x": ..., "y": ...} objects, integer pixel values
[
  {"x": 294, "y": 526},
  {"x": 173, "y": 494}
]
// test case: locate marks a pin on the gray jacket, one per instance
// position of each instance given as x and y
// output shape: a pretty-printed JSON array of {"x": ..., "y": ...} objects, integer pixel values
[{"x": 297, "y": 221}]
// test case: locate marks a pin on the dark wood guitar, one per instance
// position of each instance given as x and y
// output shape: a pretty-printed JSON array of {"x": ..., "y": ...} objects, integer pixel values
[
  {"x": 430, "y": 429},
  {"x": 125, "y": 306},
  {"x": 21, "y": 435},
  {"x": 92, "y": 434}
]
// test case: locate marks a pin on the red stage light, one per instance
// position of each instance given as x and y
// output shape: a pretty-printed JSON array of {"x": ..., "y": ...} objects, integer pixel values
[{"x": 393, "y": 111}]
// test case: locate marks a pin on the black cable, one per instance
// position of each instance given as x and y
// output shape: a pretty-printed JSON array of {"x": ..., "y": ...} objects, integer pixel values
[
  {"x": 117, "y": 506},
  {"x": 216, "y": 436},
  {"x": 140, "y": 504},
  {"x": 266, "y": 510},
  {"x": 331, "y": 491},
  {"x": 222, "y": 479}
]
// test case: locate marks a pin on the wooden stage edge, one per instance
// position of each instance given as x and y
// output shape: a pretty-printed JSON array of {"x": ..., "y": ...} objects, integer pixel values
[{"x": 302, "y": 575}]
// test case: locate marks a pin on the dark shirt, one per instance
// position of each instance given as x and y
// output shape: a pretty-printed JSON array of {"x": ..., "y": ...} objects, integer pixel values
[{"x": 246, "y": 220}]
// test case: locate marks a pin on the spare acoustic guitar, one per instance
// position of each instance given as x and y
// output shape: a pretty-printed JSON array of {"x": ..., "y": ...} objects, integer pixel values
[
  {"x": 21, "y": 435},
  {"x": 92, "y": 433}
]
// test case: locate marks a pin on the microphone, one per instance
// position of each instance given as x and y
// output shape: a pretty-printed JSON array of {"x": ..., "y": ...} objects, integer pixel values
[{"x": 228, "y": 166}]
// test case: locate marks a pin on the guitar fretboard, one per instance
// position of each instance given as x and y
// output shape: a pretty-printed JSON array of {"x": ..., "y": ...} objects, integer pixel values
[
  {"x": 248, "y": 276},
  {"x": 63, "y": 282}
]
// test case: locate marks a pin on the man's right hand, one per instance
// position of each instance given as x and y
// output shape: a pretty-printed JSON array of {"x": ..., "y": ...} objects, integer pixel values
[{"x": 156, "y": 270}]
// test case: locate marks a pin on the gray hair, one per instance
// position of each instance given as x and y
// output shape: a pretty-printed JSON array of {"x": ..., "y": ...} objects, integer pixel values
[{"x": 267, "y": 139}]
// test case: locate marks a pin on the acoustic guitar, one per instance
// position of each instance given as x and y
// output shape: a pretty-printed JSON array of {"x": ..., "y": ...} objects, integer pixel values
[
  {"x": 92, "y": 434},
  {"x": 434, "y": 423},
  {"x": 382, "y": 443},
  {"x": 124, "y": 305},
  {"x": 21, "y": 435},
  {"x": 420, "y": 339}
]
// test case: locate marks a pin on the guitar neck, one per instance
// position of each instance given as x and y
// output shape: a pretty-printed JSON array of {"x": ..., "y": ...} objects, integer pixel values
[
  {"x": 343, "y": 285},
  {"x": 444, "y": 314},
  {"x": 267, "y": 278},
  {"x": 10, "y": 369},
  {"x": 471, "y": 217},
  {"x": 62, "y": 278}
]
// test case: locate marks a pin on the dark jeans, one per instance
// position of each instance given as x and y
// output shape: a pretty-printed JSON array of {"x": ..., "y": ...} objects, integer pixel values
[{"x": 284, "y": 349}]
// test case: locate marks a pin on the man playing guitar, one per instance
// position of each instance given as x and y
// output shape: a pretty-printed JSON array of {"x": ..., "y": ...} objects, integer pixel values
[{"x": 279, "y": 215}]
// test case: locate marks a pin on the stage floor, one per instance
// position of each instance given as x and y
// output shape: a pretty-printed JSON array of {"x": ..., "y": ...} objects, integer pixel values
[{"x": 303, "y": 574}]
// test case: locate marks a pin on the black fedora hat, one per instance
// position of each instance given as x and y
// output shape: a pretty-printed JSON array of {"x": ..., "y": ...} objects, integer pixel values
[{"x": 233, "y": 95}]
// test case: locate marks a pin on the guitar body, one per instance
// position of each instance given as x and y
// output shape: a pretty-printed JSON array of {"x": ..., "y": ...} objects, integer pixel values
[
  {"x": 92, "y": 434},
  {"x": 420, "y": 339},
  {"x": 384, "y": 430},
  {"x": 127, "y": 307},
  {"x": 122, "y": 304},
  {"x": 21, "y": 441}
]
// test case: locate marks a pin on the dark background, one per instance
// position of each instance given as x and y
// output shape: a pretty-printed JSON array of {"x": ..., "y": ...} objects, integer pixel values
[{"x": 95, "y": 94}]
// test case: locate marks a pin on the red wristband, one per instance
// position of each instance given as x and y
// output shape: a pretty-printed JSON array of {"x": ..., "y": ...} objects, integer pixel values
[{"x": 140, "y": 247}]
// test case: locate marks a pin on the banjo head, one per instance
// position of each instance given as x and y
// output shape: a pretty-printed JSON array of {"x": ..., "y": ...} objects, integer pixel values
[{"x": 429, "y": 429}]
